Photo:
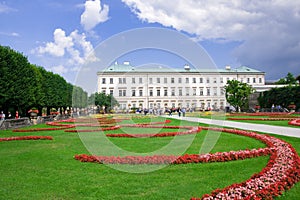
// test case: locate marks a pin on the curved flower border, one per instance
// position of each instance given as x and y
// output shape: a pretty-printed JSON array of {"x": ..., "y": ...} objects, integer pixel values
[
  {"x": 295, "y": 122},
  {"x": 103, "y": 122},
  {"x": 280, "y": 174},
  {"x": 26, "y": 138}
]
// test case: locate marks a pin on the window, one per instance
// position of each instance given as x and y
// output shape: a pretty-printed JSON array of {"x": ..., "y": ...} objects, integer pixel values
[
  {"x": 122, "y": 93},
  {"x": 151, "y": 92},
  {"x": 172, "y": 80},
  {"x": 215, "y": 80},
  {"x": 173, "y": 92},
  {"x": 111, "y": 92},
  {"x": 221, "y": 80},
  {"x": 179, "y": 80},
  {"x": 140, "y": 80},
  {"x": 180, "y": 91},
  {"x": 165, "y": 80},
  {"x": 158, "y": 92},
  {"x": 207, "y": 80},
  {"x": 133, "y": 80},
  {"x": 124, "y": 80},
  {"x": 194, "y": 92},
  {"x": 165, "y": 92},
  {"x": 150, "y": 81},
  {"x": 208, "y": 91},
  {"x": 242, "y": 80},
  {"x": 103, "y": 80},
  {"x": 254, "y": 80},
  {"x": 260, "y": 80},
  {"x": 140, "y": 93},
  {"x": 201, "y": 91},
  {"x": 120, "y": 80},
  {"x": 111, "y": 81},
  {"x": 201, "y": 80},
  {"x": 187, "y": 91},
  {"x": 222, "y": 91},
  {"x": 186, "y": 80},
  {"x": 215, "y": 91},
  {"x": 133, "y": 93},
  {"x": 194, "y": 80},
  {"x": 158, "y": 80},
  {"x": 248, "y": 80},
  {"x": 104, "y": 91}
]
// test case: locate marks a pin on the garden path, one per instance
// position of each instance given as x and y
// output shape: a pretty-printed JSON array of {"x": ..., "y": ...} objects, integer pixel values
[{"x": 278, "y": 130}]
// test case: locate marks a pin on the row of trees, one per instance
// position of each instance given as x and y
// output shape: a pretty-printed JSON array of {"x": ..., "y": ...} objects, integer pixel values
[
  {"x": 285, "y": 97},
  {"x": 24, "y": 86},
  {"x": 237, "y": 94}
]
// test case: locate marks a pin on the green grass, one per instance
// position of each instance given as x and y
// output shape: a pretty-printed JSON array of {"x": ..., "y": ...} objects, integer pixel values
[
  {"x": 46, "y": 169},
  {"x": 221, "y": 116}
]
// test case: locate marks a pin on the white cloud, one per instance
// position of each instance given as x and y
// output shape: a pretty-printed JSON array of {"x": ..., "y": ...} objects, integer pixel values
[
  {"x": 60, "y": 69},
  {"x": 6, "y": 9},
  {"x": 75, "y": 45},
  {"x": 73, "y": 49},
  {"x": 13, "y": 34},
  {"x": 267, "y": 29},
  {"x": 61, "y": 42},
  {"x": 94, "y": 14}
]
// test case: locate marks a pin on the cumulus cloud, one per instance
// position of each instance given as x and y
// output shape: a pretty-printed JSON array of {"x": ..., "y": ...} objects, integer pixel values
[
  {"x": 60, "y": 44},
  {"x": 94, "y": 14},
  {"x": 74, "y": 48},
  {"x": 268, "y": 30}
]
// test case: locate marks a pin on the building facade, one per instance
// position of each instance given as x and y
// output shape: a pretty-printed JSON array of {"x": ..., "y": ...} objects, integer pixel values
[{"x": 162, "y": 87}]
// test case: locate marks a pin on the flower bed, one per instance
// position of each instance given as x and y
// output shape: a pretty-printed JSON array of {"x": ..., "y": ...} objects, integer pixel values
[
  {"x": 261, "y": 119},
  {"x": 173, "y": 159},
  {"x": 108, "y": 123},
  {"x": 26, "y": 138},
  {"x": 295, "y": 122},
  {"x": 280, "y": 174}
]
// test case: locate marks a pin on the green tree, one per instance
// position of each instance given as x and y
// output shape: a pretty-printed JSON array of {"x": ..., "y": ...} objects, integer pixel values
[
  {"x": 289, "y": 79},
  {"x": 237, "y": 93},
  {"x": 18, "y": 81},
  {"x": 280, "y": 96},
  {"x": 23, "y": 86},
  {"x": 102, "y": 99}
]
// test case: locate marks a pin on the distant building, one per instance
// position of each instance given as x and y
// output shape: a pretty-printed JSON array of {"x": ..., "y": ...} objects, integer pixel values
[{"x": 160, "y": 87}]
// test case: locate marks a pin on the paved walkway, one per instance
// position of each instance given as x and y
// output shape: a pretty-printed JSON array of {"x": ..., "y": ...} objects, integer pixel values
[{"x": 278, "y": 130}]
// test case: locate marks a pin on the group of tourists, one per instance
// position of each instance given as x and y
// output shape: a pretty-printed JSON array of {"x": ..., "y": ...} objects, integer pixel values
[
  {"x": 9, "y": 116},
  {"x": 179, "y": 110}
]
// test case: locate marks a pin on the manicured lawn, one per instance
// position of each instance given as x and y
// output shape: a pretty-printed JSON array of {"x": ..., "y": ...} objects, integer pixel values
[
  {"x": 222, "y": 116},
  {"x": 46, "y": 169}
]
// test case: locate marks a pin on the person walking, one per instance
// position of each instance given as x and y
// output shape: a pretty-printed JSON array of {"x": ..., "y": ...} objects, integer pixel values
[
  {"x": 183, "y": 110},
  {"x": 2, "y": 116},
  {"x": 179, "y": 111}
]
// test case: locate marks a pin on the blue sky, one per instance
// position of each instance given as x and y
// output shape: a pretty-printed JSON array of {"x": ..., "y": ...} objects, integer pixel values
[{"x": 60, "y": 35}]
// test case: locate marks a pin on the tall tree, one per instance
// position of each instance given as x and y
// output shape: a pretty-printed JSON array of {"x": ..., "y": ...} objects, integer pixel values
[
  {"x": 102, "y": 99},
  {"x": 289, "y": 79},
  {"x": 17, "y": 80},
  {"x": 237, "y": 93}
]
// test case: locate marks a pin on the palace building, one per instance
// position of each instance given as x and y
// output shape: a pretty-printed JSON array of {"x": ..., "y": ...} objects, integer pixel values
[{"x": 161, "y": 87}]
